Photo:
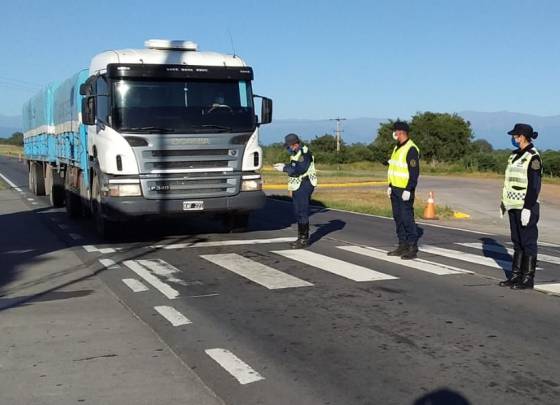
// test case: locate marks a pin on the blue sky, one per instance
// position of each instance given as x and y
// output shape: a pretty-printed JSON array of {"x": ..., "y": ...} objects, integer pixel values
[{"x": 316, "y": 59}]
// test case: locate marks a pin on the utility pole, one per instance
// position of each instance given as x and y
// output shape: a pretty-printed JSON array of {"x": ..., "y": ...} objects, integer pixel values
[{"x": 338, "y": 138}]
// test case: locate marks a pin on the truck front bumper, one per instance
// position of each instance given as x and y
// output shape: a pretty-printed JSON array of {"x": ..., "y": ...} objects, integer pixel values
[{"x": 118, "y": 207}]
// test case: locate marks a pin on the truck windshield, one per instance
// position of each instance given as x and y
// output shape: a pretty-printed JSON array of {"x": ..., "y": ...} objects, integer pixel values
[{"x": 183, "y": 106}]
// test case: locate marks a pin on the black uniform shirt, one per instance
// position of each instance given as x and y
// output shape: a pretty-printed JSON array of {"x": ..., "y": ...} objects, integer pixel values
[
  {"x": 299, "y": 167},
  {"x": 534, "y": 175}
]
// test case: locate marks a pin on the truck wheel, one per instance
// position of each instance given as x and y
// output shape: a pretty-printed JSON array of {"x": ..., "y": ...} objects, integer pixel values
[
  {"x": 71, "y": 199},
  {"x": 36, "y": 178},
  {"x": 236, "y": 222},
  {"x": 57, "y": 194},
  {"x": 105, "y": 228}
]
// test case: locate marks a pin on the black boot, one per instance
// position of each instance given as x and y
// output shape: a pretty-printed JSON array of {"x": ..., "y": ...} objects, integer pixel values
[
  {"x": 411, "y": 252},
  {"x": 528, "y": 268},
  {"x": 303, "y": 237},
  {"x": 516, "y": 274},
  {"x": 402, "y": 249}
]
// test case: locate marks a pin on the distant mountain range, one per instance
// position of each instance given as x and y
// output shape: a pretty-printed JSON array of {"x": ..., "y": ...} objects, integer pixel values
[{"x": 491, "y": 126}]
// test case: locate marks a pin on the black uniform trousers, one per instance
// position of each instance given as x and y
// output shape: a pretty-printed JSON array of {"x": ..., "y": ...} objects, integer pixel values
[
  {"x": 403, "y": 214},
  {"x": 301, "y": 198},
  {"x": 525, "y": 238}
]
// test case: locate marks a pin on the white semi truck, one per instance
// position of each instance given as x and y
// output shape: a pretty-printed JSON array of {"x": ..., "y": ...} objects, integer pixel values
[{"x": 166, "y": 130}]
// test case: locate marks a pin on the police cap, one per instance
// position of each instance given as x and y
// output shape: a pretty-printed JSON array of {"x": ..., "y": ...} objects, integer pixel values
[
  {"x": 291, "y": 139},
  {"x": 401, "y": 126},
  {"x": 525, "y": 130}
]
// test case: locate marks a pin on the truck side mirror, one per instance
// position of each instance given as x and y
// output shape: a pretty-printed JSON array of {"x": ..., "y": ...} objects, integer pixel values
[
  {"x": 266, "y": 111},
  {"x": 88, "y": 110},
  {"x": 83, "y": 89}
]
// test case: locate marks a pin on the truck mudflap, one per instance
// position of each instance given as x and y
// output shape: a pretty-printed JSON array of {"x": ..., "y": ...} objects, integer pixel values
[{"x": 118, "y": 208}]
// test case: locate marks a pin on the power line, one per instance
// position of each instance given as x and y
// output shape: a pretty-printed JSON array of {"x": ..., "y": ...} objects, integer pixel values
[{"x": 338, "y": 131}]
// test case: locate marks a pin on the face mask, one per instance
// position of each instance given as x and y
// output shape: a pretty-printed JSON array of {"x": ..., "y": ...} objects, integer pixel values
[
  {"x": 514, "y": 142},
  {"x": 395, "y": 137}
]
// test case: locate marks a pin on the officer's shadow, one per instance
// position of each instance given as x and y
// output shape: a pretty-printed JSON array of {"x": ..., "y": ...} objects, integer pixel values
[
  {"x": 323, "y": 230},
  {"x": 499, "y": 253}
]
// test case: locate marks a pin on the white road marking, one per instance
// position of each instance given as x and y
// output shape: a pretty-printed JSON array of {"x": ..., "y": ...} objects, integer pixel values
[
  {"x": 10, "y": 183},
  {"x": 108, "y": 263},
  {"x": 91, "y": 249},
  {"x": 419, "y": 264},
  {"x": 63, "y": 226},
  {"x": 172, "y": 315},
  {"x": 135, "y": 285},
  {"x": 501, "y": 249},
  {"x": 223, "y": 243},
  {"x": 256, "y": 272},
  {"x": 163, "y": 269},
  {"x": 34, "y": 203},
  {"x": 553, "y": 288},
  {"x": 240, "y": 370},
  {"x": 155, "y": 282},
  {"x": 467, "y": 257},
  {"x": 30, "y": 199},
  {"x": 75, "y": 236},
  {"x": 335, "y": 266},
  {"x": 549, "y": 244}
]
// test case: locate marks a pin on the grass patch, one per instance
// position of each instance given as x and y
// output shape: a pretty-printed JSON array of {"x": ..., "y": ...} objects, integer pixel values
[
  {"x": 11, "y": 150},
  {"x": 373, "y": 202}
]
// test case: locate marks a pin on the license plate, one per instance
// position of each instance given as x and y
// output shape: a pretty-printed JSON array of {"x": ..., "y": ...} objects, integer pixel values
[{"x": 193, "y": 205}]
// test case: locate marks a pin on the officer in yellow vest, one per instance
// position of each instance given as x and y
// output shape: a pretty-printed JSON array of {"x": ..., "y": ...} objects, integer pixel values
[
  {"x": 404, "y": 170},
  {"x": 520, "y": 194},
  {"x": 302, "y": 180}
]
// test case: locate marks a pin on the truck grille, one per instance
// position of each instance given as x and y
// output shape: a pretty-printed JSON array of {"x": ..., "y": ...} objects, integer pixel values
[{"x": 190, "y": 187}]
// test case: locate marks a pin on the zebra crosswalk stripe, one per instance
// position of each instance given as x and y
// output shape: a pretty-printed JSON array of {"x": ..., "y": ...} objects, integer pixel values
[
  {"x": 418, "y": 264},
  {"x": 467, "y": 257},
  {"x": 495, "y": 248},
  {"x": 257, "y": 272},
  {"x": 334, "y": 266}
]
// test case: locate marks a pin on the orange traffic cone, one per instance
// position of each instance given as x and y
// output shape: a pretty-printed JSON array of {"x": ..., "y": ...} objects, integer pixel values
[{"x": 430, "y": 210}]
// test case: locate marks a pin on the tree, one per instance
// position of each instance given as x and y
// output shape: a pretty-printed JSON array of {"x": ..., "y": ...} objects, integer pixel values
[
  {"x": 482, "y": 146},
  {"x": 441, "y": 136},
  {"x": 383, "y": 145},
  {"x": 15, "y": 139}
]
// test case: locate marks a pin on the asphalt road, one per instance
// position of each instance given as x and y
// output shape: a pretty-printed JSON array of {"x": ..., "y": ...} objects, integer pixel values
[{"x": 338, "y": 324}]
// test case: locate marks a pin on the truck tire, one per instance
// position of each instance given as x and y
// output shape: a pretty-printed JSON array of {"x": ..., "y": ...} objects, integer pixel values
[
  {"x": 105, "y": 228},
  {"x": 72, "y": 199},
  {"x": 36, "y": 178},
  {"x": 236, "y": 222},
  {"x": 57, "y": 194}
]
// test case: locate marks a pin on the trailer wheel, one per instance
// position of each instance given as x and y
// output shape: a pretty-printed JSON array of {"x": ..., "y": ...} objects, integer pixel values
[
  {"x": 71, "y": 199},
  {"x": 56, "y": 183},
  {"x": 36, "y": 178}
]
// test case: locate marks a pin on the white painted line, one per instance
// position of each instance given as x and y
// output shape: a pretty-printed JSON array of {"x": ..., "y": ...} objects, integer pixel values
[
  {"x": 501, "y": 249},
  {"x": 544, "y": 244},
  {"x": 75, "y": 236},
  {"x": 109, "y": 264},
  {"x": 162, "y": 269},
  {"x": 91, "y": 249},
  {"x": 34, "y": 203},
  {"x": 10, "y": 183},
  {"x": 155, "y": 282},
  {"x": 172, "y": 315},
  {"x": 256, "y": 272},
  {"x": 30, "y": 199},
  {"x": 240, "y": 370},
  {"x": 335, "y": 266},
  {"x": 62, "y": 226},
  {"x": 223, "y": 243},
  {"x": 418, "y": 264},
  {"x": 135, "y": 285},
  {"x": 467, "y": 257},
  {"x": 553, "y": 288}
]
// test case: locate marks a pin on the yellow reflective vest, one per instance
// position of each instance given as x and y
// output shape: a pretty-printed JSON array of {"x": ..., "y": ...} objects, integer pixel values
[
  {"x": 398, "y": 174},
  {"x": 311, "y": 173},
  {"x": 516, "y": 180}
]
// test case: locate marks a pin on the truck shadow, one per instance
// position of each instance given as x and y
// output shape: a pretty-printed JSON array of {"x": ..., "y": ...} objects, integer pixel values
[{"x": 442, "y": 396}]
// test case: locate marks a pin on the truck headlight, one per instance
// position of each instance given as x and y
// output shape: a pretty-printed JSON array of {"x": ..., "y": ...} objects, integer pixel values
[
  {"x": 251, "y": 185},
  {"x": 125, "y": 190}
]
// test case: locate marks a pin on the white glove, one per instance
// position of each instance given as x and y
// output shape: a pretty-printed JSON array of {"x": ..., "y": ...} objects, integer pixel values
[
  {"x": 406, "y": 195},
  {"x": 279, "y": 166},
  {"x": 525, "y": 216},
  {"x": 389, "y": 192}
]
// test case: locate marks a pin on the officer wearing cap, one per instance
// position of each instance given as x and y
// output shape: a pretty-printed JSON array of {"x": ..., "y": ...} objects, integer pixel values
[
  {"x": 403, "y": 173},
  {"x": 302, "y": 180},
  {"x": 520, "y": 194}
]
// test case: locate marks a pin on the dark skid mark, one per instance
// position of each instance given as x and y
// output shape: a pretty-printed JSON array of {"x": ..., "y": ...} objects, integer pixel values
[{"x": 97, "y": 357}]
